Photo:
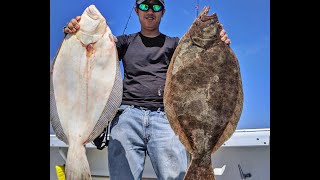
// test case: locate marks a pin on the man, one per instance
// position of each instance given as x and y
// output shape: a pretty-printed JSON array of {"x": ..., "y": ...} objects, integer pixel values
[{"x": 142, "y": 128}]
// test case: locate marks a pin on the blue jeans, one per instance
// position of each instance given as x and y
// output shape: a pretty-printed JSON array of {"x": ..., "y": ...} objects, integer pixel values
[{"x": 137, "y": 132}]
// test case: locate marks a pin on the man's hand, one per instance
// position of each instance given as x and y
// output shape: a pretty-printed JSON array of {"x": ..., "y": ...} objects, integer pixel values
[
  {"x": 73, "y": 26},
  {"x": 224, "y": 36}
]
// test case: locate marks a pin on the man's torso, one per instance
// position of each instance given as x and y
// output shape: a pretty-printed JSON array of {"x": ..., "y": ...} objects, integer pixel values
[{"x": 145, "y": 62}]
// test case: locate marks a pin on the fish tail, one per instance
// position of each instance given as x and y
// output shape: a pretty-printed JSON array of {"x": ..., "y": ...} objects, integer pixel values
[
  {"x": 77, "y": 165},
  {"x": 200, "y": 169}
]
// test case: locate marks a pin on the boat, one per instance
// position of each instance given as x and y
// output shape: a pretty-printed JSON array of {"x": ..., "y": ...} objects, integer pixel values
[{"x": 246, "y": 155}]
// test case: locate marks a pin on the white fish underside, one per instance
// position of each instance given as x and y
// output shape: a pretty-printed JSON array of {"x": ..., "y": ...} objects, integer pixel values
[
  {"x": 83, "y": 85},
  {"x": 86, "y": 88}
]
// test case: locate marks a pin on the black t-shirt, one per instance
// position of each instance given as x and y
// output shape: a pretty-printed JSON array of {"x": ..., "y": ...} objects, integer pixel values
[{"x": 145, "y": 62}]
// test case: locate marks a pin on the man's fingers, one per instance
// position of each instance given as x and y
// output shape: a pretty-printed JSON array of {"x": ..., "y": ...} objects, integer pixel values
[
  {"x": 222, "y": 33},
  {"x": 70, "y": 29},
  {"x": 228, "y": 41},
  {"x": 70, "y": 25},
  {"x": 75, "y": 24},
  {"x": 67, "y": 30},
  {"x": 224, "y": 37}
]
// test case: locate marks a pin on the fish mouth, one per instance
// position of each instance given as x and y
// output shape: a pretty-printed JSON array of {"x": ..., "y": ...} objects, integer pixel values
[
  {"x": 203, "y": 16},
  {"x": 205, "y": 10},
  {"x": 93, "y": 12}
]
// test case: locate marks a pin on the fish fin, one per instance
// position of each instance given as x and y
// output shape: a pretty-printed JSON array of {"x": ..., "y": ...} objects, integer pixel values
[
  {"x": 55, "y": 57},
  {"x": 232, "y": 125},
  {"x": 200, "y": 169},
  {"x": 77, "y": 165},
  {"x": 227, "y": 133}
]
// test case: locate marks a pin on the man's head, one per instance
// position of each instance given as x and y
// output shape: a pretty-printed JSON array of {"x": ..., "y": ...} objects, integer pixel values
[{"x": 150, "y": 13}]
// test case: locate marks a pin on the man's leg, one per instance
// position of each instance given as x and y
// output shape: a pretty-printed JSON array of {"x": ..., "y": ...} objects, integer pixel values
[
  {"x": 167, "y": 154},
  {"x": 126, "y": 149}
]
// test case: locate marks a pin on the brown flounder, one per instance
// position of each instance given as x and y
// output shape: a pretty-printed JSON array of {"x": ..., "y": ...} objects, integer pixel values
[
  {"x": 85, "y": 89},
  {"x": 203, "y": 94}
]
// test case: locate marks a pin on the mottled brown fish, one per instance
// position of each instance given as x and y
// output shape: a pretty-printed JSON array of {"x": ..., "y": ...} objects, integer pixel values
[
  {"x": 203, "y": 95},
  {"x": 85, "y": 89}
]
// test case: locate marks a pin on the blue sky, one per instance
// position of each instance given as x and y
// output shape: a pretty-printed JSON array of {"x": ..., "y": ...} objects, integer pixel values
[{"x": 247, "y": 23}]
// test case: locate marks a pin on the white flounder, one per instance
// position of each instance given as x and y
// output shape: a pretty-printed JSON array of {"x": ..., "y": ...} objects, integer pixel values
[{"x": 85, "y": 88}]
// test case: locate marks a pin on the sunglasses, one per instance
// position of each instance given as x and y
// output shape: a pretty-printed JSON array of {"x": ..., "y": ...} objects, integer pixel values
[{"x": 145, "y": 7}]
